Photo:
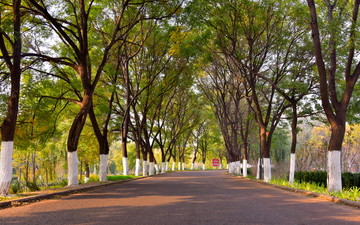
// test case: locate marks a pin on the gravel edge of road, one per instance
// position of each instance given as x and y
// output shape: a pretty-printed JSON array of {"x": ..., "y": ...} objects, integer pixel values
[{"x": 309, "y": 193}]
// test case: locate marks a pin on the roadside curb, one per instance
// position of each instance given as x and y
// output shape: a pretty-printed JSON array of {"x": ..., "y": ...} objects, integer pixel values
[
  {"x": 56, "y": 194},
  {"x": 308, "y": 193}
]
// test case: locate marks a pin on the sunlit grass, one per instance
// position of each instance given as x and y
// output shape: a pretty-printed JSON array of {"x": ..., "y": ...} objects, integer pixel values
[
  {"x": 120, "y": 177},
  {"x": 352, "y": 194}
]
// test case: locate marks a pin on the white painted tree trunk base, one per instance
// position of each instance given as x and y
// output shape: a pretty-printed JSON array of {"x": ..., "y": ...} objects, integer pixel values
[
  {"x": 103, "y": 167},
  {"x": 267, "y": 170},
  {"x": 173, "y": 166},
  {"x": 163, "y": 167},
  {"x": 151, "y": 168},
  {"x": 179, "y": 166},
  {"x": 203, "y": 166},
  {"x": 145, "y": 168},
  {"x": 7, "y": 148},
  {"x": 334, "y": 182},
  {"x": 137, "y": 167},
  {"x": 183, "y": 166},
  {"x": 258, "y": 169},
  {"x": 192, "y": 166},
  {"x": 73, "y": 169},
  {"x": 167, "y": 166},
  {"x": 125, "y": 166},
  {"x": 157, "y": 169},
  {"x": 244, "y": 168},
  {"x": 233, "y": 167},
  {"x": 237, "y": 168},
  {"x": 95, "y": 172},
  {"x": 292, "y": 167}
]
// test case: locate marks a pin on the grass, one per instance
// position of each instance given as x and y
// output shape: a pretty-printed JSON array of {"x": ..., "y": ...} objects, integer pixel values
[
  {"x": 352, "y": 194},
  {"x": 61, "y": 184},
  {"x": 120, "y": 177}
]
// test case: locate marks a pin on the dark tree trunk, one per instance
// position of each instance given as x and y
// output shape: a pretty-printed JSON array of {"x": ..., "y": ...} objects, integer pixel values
[
  {"x": 87, "y": 170},
  {"x": 294, "y": 130},
  {"x": 78, "y": 123}
]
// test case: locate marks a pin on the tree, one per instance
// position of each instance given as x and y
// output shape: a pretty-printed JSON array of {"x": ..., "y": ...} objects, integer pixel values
[
  {"x": 227, "y": 96},
  {"x": 252, "y": 47},
  {"x": 331, "y": 61},
  {"x": 10, "y": 46}
]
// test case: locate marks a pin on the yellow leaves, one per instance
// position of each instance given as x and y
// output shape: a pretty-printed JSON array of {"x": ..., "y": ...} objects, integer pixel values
[{"x": 177, "y": 39}]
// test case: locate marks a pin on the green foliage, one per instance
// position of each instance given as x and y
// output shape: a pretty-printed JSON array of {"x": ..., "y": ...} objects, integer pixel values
[
  {"x": 32, "y": 186},
  {"x": 280, "y": 145}
]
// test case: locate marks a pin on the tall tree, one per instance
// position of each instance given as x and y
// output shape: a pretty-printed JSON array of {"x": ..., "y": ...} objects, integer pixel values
[
  {"x": 336, "y": 90},
  {"x": 75, "y": 36},
  {"x": 10, "y": 46},
  {"x": 227, "y": 96}
]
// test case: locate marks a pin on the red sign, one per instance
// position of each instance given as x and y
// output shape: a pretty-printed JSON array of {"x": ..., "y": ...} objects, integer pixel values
[{"x": 215, "y": 162}]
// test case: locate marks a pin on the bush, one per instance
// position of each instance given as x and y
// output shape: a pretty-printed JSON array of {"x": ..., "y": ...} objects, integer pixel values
[
  {"x": 320, "y": 178},
  {"x": 63, "y": 182},
  {"x": 356, "y": 179},
  {"x": 317, "y": 177},
  {"x": 347, "y": 180},
  {"x": 32, "y": 186},
  {"x": 15, "y": 187}
]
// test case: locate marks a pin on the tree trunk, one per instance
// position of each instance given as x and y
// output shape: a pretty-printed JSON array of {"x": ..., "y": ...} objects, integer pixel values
[
  {"x": 145, "y": 168},
  {"x": 9, "y": 123},
  {"x": 73, "y": 163},
  {"x": 33, "y": 168},
  {"x": 245, "y": 168},
  {"x": 294, "y": 132},
  {"x": 103, "y": 167},
  {"x": 137, "y": 167},
  {"x": 138, "y": 161},
  {"x": 125, "y": 163},
  {"x": 74, "y": 136},
  {"x": 334, "y": 182},
  {"x": 151, "y": 168},
  {"x": 87, "y": 172}
]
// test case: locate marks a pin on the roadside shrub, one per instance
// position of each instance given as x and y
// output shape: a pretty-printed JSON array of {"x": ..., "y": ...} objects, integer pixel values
[
  {"x": 320, "y": 178},
  {"x": 356, "y": 179},
  {"x": 93, "y": 178},
  {"x": 63, "y": 182},
  {"x": 32, "y": 186},
  {"x": 317, "y": 177},
  {"x": 347, "y": 180},
  {"x": 16, "y": 187}
]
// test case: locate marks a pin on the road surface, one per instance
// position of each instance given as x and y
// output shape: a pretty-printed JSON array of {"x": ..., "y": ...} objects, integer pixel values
[{"x": 189, "y": 197}]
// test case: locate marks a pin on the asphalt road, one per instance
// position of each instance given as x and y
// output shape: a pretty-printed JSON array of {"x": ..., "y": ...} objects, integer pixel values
[{"x": 189, "y": 197}]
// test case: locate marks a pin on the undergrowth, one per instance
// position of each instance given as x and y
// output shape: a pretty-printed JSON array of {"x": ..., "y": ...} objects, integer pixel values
[{"x": 352, "y": 194}]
